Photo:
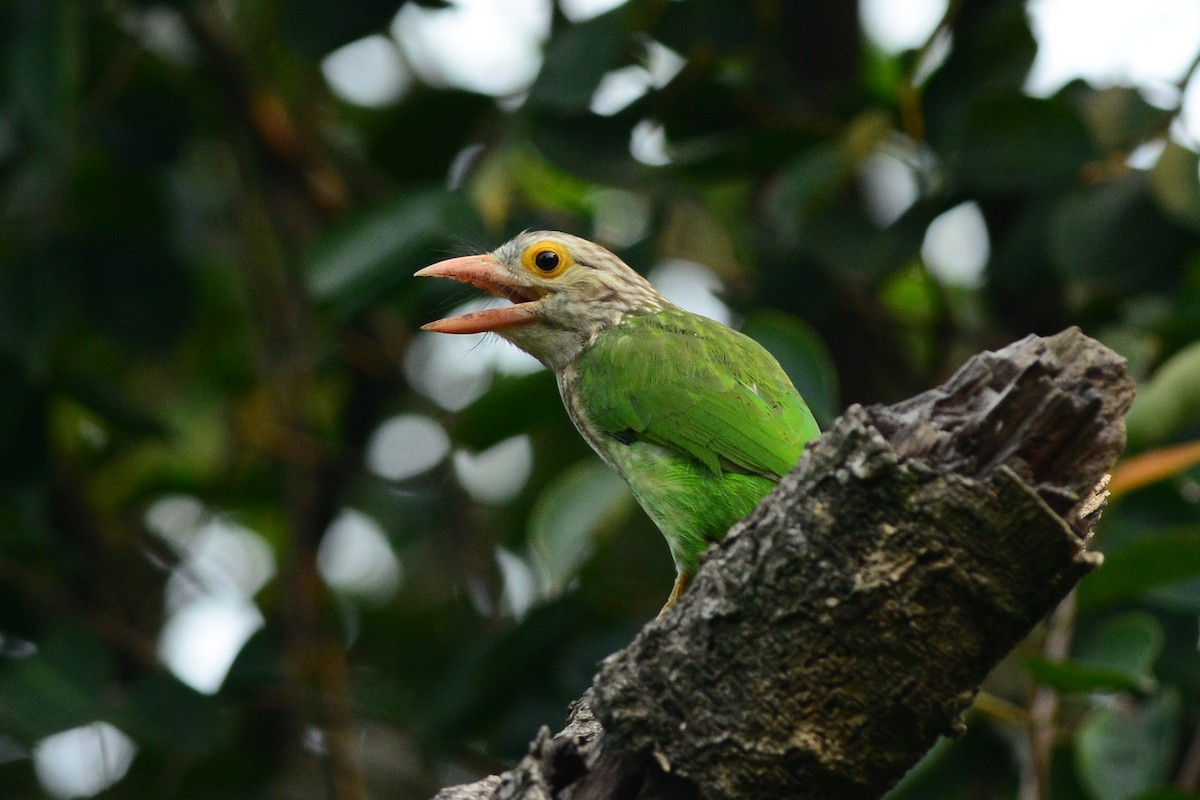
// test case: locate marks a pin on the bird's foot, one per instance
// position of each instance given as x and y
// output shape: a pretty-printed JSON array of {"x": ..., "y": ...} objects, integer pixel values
[{"x": 681, "y": 582}]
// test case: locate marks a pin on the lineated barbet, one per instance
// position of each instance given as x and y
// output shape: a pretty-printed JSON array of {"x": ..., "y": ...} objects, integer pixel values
[{"x": 699, "y": 419}]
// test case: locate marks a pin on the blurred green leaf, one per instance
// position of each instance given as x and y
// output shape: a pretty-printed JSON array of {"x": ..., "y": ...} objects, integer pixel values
[
  {"x": 1073, "y": 676},
  {"x": 573, "y": 508},
  {"x": 59, "y": 687},
  {"x": 499, "y": 689},
  {"x": 1120, "y": 656},
  {"x": 138, "y": 290},
  {"x": 844, "y": 240},
  {"x": 979, "y": 763},
  {"x": 1175, "y": 184},
  {"x": 1016, "y": 143},
  {"x": 912, "y": 295},
  {"x": 375, "y": 250},
  {"x": 1112, "y": 236},
  {"x": 803, "y": 355},
  {"x": 593, "y": 147},
  {"x": 1168, "y": 401},
  {"x": 1118, "y": 117},
  {"x": 546, "y": 188},
  {"x": 1023, "y": 285},
  {"x": 45, "y": 70},
  {"x": 418, "y": 139},
  {"x": 717, "y": 25},
  {"x": 172, "y": 716},
  {"x": 1126, "y": 749},
  {"x": 22, "y": 422},
  {"x": 992, "y": 53},
  {"x": 315, "y": 28},
  {"x": 809, "y": 213},
  {"x": 119, "y": 410},
  {"x": 577, "y": 59},
  {"x": 513, "y": 404},
  {"x": 915, "y": 299},
  {"x": 707, "y": 136},
  {"x": 1129, "y": 642},
  {"x": 808, "y": 181},
  {"x": 1157, "y": 560},
  {"x": 149, "y": 127},
  {"x": 1182, "y": 596},
  {"x": 40, "y": 294}
]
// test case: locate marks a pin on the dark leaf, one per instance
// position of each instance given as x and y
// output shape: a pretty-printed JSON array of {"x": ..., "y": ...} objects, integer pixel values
[
  {"x": 375, "y": 250},
  {"x": 1071, "y": 676},
  {"x": 1126, "y": 749},
  {"x": 1112, "y": 237},
  {"x": 512, "y": 405},
  {"x": 568, "y": 516},
  {"x": 139, "y": 291},
  {"x": 1016, "y": 143},
  {"x": 166, "y": 714},
  {"x": 314, "y": 28},
  {"x": 577, "y": 59},
  {"x": 45, "y": 70},
  {"x": 23, "y": 410},
  {"x": 1168, "y": 402},
  {"x": 593, "y": 147},
  {"x": 1175, "y": 186},
  {"x": 799, "y": 350},
  {"x": 59, "y": 687},
  {"x": 1118, "y": 656},
  {"x": 706, "y": 25},
  {"x": 1157, "y": 560},
  {"x": 420, "y": 138},
  {"x": 1118, "y": 117},
  {"x": 991, "y": 53}
]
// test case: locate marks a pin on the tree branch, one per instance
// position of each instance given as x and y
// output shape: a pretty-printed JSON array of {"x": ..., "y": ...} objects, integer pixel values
[{"x": 848, "y": 621}]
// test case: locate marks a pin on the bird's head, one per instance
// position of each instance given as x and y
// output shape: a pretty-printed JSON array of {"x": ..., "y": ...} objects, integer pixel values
[{"x": 564, "y": 291}]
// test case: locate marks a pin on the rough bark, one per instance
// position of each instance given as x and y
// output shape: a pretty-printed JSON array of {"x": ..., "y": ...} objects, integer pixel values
[{"x": 848, "y": 621}]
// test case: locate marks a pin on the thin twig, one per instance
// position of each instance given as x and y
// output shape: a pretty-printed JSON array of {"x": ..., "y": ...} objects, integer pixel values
[
  {"x": 315, "y": 664},
  {"x": 908, "y": 100},
  {"x": 1043, "y": 706},
  {"x": 1189, "y": 771},
  {"x": 1000, "y": 709}
]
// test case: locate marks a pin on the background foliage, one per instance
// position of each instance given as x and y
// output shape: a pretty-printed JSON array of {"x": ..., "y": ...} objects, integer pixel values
[{"x": 213, "y": 389}]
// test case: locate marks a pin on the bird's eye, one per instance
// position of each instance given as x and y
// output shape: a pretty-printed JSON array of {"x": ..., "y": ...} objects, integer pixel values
[{"x": 546, "y": 260}]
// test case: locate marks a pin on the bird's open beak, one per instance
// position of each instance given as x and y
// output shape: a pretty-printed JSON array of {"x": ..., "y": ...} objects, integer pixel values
[{"x": 486, "y": 273}]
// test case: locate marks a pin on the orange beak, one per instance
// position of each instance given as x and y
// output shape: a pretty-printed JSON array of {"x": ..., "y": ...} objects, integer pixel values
[{"x": 483, "y": 272}]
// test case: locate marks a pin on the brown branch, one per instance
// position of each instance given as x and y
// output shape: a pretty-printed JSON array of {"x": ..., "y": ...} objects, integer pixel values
[
  {"x": 284, "y": 143},
  {"x": 280, "y": 421},
  {"x": 847, "y": 623},
  {"x": 1189, "y": 771}
]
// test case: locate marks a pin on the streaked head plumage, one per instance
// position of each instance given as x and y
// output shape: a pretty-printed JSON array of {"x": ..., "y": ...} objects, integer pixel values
[{"x": 566, "y": 290}]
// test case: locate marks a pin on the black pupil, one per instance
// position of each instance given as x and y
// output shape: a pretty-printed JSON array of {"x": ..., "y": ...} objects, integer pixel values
[{"x": 546, "y": 261}]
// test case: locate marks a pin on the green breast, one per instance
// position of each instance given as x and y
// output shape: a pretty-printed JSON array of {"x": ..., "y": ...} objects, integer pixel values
[{"x": 700, "y": 420}]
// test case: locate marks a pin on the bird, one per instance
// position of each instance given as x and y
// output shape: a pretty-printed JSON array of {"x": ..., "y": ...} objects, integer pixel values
[{"x": 700, "y": 420}]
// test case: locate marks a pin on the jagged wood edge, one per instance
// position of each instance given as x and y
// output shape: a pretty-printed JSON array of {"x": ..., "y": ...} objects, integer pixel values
[{"x": 848, "y": 621}]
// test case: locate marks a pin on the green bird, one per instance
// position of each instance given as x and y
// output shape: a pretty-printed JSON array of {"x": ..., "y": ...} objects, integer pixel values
[{"x": 700, "y": 420}]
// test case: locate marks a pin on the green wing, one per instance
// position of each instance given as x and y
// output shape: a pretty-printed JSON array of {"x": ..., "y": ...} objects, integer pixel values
[{"x": 688, "y": 383}]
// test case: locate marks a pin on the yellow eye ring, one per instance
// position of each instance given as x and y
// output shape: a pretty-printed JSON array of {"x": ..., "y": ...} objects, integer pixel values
[{"x": 546, "y": 259}]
